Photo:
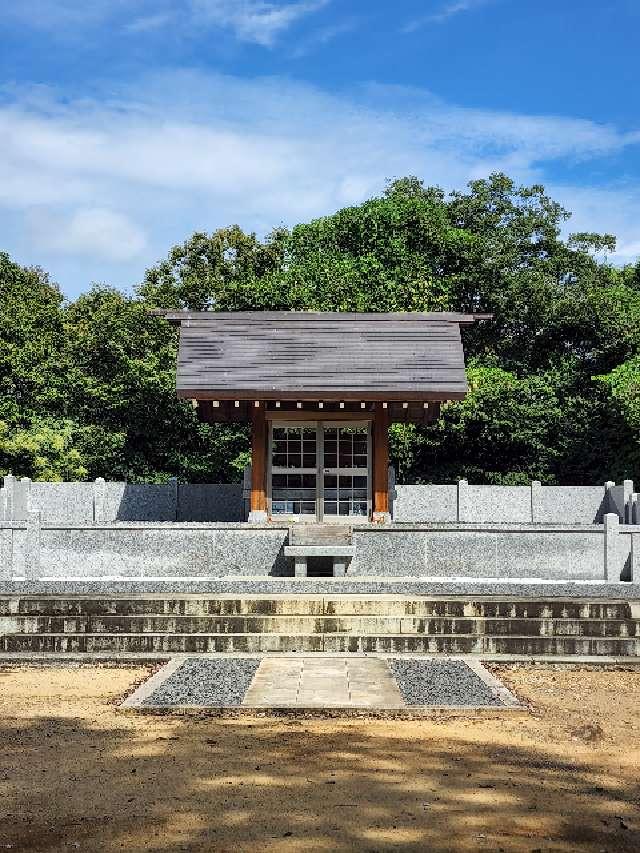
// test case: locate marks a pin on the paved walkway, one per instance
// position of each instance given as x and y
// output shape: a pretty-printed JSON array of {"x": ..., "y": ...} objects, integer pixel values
[{"x": 323, "y": 683}]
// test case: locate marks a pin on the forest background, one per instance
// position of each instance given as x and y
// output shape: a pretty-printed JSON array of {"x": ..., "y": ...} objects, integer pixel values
[{"x": 87, "y": 387}]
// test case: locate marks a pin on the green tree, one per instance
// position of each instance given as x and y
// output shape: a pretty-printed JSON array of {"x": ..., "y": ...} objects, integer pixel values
[
  {"x": 553, "y": 376},
  {"x": 44, "y": 451},
  {"x": 120, "y": 368},
  {"x": 31, "y": 336}
]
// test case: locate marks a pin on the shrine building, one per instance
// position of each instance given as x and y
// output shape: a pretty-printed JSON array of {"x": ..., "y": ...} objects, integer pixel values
[{"x": 320, "y": 391}]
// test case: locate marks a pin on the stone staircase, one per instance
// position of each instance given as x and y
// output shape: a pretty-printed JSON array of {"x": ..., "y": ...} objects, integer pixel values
[
  {"x": 320, "y": 550},
  {"x": 167, "y": 623}
]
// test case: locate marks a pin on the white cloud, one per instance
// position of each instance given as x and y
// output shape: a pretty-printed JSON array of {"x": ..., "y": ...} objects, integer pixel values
[
  {"x": 448, "y": 10},
  {"x": 258, "y": 21},
  {"x": 612, "y": 209},
  {"x": 148, "y": 23},
  {"x": 87, "y": 232},
  {"x": 254, "y": 20},
  {"x": 122, "y": 179},
  {"x": 322, "y": 36}
]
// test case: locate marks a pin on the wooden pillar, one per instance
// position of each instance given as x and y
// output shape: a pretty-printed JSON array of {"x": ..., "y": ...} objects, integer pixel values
[
  {"x": 381, "y": 463},
  {"x": 258, "y": 464}
]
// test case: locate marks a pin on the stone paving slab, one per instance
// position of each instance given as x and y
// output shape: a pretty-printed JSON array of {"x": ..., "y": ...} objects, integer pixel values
[
  {"x": 323, "y": 683},
  {"x": 300, "y": 682}
]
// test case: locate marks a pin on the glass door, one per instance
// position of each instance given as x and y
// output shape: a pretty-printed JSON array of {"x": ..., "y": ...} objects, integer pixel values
[
  {"x": 294, "y": 471},
  {"x": 320, "y": 471},
  {"x": 345, "y": 471}
]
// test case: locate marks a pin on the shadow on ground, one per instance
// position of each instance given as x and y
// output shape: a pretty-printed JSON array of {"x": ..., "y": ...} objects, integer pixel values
[{"x": 107, "y": 782}]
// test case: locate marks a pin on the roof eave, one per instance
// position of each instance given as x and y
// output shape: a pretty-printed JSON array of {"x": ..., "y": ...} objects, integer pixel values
[{"x": 326, "y": 396}]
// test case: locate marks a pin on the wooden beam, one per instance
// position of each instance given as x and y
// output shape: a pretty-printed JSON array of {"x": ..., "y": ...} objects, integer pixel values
[
  {"x": 381, "y": 461},
  {"x": 258, "y": 460},
  {"x": 324, "y": 415}
]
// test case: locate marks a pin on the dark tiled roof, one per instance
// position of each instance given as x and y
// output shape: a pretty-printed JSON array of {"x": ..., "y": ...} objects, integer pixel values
[{"x": 300, "y": 355}]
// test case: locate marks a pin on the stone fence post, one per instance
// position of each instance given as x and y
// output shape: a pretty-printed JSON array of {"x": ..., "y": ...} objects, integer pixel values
[
  {"x": 32, "y": 546},
  {"x": 9, "y": 488},
  {"x": 627, "y": 492},
  {"x": 627, "y": 497},
  {"x": 99, "y": 500},
  {"x": 172, "y": 485},
  {"x": 611, "y": 547},
  {"x": 22, "y": 499},
  {"x": 460, "y": 503},
  {"x": 536, "y": 486}
]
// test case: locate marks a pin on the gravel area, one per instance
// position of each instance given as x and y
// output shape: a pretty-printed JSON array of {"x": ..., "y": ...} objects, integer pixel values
[
  {"x": 197, "y": 682},
  {"x": 440, "y": 682}
]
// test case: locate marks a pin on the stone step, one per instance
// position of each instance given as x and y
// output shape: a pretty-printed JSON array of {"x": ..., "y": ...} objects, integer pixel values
[
  {"x": 385, "y": 606},
  {"x": 309, "y": 534},
  {"x": 282, "y": 624},
  {"x": 470, "y": 607},
  {"x": 338, "y": 643}
]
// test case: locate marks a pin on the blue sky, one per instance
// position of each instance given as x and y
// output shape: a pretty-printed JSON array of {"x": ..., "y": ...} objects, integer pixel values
[{"x": 125, "y": 125}]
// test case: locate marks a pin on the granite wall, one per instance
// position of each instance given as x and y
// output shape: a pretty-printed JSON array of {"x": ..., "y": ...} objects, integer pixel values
[
  {"x": 49, "y": 550},
  {"x": 535, "y": 504},
  {"x": 36, "y": 550},
  {"x": 105, "y": 502},
  {"x": 102, "y": 501},
  {"x": 579, "y": 552}
]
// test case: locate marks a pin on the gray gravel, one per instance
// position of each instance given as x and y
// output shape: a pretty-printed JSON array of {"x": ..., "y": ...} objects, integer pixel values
[
  {"x": 326, "y": 586},
  {"x": 219, "y": 683},
  {"x": 440, "y": 682}
]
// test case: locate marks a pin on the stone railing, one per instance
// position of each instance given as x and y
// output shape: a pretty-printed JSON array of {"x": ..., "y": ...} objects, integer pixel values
[
  {"x": 535, "y": 504},
  {"x": 100, "y": 501},
  {"x": 34, "y": 550}
]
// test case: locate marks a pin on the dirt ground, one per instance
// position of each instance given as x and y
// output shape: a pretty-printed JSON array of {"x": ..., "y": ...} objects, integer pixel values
[{"x": 77, "y": 774}]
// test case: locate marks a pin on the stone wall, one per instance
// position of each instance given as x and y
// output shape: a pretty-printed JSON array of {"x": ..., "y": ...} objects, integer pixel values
[
  {"x": 102, "y": 501},
  {"x": 35, "y": 550},
  {"x": 579, "y": 552},
  {"x": 535, "y": 504}
]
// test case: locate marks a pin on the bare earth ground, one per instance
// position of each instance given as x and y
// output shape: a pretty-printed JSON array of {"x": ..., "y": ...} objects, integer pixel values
[{"x": 76, "y": 774}]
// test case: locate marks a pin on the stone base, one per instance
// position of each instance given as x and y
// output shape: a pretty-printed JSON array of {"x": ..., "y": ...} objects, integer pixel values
[{"x": 258, "y": 516}]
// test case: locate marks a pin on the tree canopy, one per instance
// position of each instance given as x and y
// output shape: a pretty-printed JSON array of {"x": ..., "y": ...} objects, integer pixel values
[{"x": 87, "y": 387}]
